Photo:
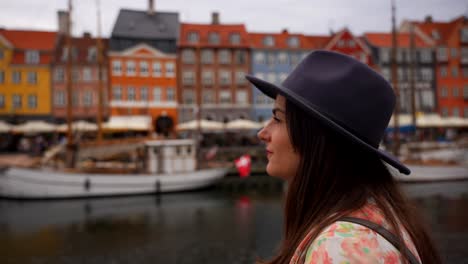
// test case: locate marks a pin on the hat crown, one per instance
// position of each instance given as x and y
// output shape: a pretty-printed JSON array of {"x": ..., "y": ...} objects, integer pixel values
[{"x": 346, "y": 91}]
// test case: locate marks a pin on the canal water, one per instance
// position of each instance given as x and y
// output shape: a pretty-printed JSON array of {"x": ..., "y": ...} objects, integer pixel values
[{"x": 198, "y": 227}]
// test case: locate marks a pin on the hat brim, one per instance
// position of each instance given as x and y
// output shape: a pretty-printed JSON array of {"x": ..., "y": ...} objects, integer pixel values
[{"x": 271, "y": 90}]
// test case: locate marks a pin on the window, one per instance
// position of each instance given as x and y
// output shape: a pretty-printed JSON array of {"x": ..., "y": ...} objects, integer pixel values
[
  {"x": 16, "y": 77},
  {"x": 170, "y": 69},
  {"x": 444, "y": 92},
  {"x": 443, "y": 71},
  {"x": 442, "y": 54},
  {"x": 75, "y": 98},
  {"x": 117, "y": 93},
  {"x": 455, "y": 92},
  {"x": 208, "y": 77},
  {"x": 144, "y": 93},
  {"x": 293, "y": 42},
  {"x": 2, "y": 54},
  {"x": 456, "y": 112},
  {"x": 386, "y": 74},
  {"x": 224, "y": 77},
  {"x": 426, "y": 74},
  {"x": 157, "y": 94},
  {"x": 75, "y": 74},
  {"x": 465, "y": 72},
  {"x": 170, "y": 94},
  {"x": 240, "y": 78},
  {"x": 116, "y": 67},
  {"x": 271, "y": 77},
  {"x": 157, "y": 69},
  {"x": 32, "y": 57},
  {"x": 192, "y": 37},
  {"x": 465, "y": 112},
  {"x": 59, "y": 98},
  {"x": 294, "y": 59},
  {"x": 425, "y": 55},
  {"x": 268, "y": 41},
  {"x": 428, "y": 99},
  {"x": 188, "y": 97},
  {"x": 2, "y": 101},
  {"x": 260, "y": 99},
  {"x": 385, "y": 55},
  {"x": 271, "y": 58},
  {"x": 208, "y": 97},
  {"x": 131, "y": 94},
  {"x": 224, "y": 57},
  {"x": 453, "y": 52},
  {"x": 213, "y": 38},
  {"x": 225, "y": 97},
  {"x": 351, "y": 43},
  {"x": 144, "y": 68},
  {"x": 16, "y": 101},
  {"x": 444, "y": 112},
  {"x": 240, "y": 57},
  {"x": 87, "y": 98},
  {"x": 241, "y": 97},
  {"x": 454, "y": 71},
  {"x": 464, "y": 35},
  {"x": 188, "y": 78},
  {"x": 207, "y": 56},
  {"x": 2, "y": 77},
  {"x": 59, "y": 74},
  {"x": 87, "y": 74},
  {"x": 131, "y": 71},
  {"x": 341, "y": 43},
  {"x": 32, "y": 77},
  {"x": 465, "y": 92},
  {"x": 64, "y": 53},
  {"x": 259, "y": 58},
  {"x": 464, "y": 55},
  {"x": 435, "y": 34},
  {"x": 92, "y": 54},
  {"x": 188, "y": 56},
  {"x": 234, "y": 38},
  {"x": 283, "y": 58}
]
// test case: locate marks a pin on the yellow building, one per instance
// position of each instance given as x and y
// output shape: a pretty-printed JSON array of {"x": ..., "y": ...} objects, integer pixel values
[{"x": 25, "y": 74}]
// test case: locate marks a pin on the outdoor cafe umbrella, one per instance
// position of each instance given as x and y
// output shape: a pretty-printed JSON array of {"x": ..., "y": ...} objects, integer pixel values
[
  {"x": 243, "y": 124},
  {"x": 35, "y": 127},
  {"x": 204, "y": 125},
  {"x": 4, "y": 127},
  {"x": 78, "y": 126}
]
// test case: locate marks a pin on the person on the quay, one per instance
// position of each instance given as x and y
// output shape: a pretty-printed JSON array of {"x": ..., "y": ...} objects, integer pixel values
[{"x": 342, "y": 204}]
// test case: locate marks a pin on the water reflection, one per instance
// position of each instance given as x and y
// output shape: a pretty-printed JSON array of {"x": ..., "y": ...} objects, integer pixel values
[{"x": 202, "y": 227}]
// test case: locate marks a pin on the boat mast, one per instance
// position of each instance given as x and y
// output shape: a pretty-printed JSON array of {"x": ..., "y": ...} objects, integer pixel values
[
  {"x": 198, "y": 93},
  {"x": 70, "y": 143},
  {"x": 413, "y": 79},
  {"x": 100, "y": 72},
  {"x": 396, "y": 113}
]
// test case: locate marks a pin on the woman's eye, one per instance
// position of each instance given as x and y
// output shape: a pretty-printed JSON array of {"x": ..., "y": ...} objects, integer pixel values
[{"x": 276, "y": 119}]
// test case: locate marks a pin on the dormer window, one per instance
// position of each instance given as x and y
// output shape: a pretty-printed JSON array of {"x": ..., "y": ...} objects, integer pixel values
[
  {"x": 213, "y": 38},
  {"x": 435, "y": 34},
  {"x": 269, "y": 41},
  {"x": 193, "y": 37},
  {"x": 293, "y": 42},
  {"x": 32, "y": 57},
  {"x": 92, "y": 54},
  {"x": 234, "y": 38},
  {"x": 464, "y": 35}
]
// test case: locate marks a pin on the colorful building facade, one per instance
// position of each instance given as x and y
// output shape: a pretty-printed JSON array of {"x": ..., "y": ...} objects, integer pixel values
[
  {"x": 212, "y": 62},
  {"x": 25, "y": 75}
]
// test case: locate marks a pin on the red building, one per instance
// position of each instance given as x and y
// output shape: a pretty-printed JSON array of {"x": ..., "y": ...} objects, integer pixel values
[
  {"x": 451, "y": 44},
  {"x": 345, "y": 42}
]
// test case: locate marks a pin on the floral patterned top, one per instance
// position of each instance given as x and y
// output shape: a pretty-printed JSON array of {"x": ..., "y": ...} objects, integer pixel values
[{"x": 348, "y": 243}]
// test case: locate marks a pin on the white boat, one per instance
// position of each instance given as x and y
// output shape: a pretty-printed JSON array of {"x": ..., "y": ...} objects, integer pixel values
[{"x": 171, "y": 167}]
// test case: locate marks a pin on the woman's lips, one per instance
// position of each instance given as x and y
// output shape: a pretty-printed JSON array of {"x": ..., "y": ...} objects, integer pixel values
[{"x": 269, "y": 153}]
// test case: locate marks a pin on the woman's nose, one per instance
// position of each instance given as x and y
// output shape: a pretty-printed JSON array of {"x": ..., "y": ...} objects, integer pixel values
[{"x": 263, "y": 133}]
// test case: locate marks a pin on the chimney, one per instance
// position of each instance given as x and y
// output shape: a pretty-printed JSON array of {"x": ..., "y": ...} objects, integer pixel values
[
  {"x": 284, "y": 31},
  {"x": 428, "y": 19},
  {"x": 86, "y": 34},
  {"x": 151, "y": 7},
  {"x": 62, "y": 17},
  {"x": 215, "y": 18}
]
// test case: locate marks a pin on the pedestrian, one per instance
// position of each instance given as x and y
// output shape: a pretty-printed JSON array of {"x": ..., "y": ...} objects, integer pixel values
[{"x": 329, "y": 117}]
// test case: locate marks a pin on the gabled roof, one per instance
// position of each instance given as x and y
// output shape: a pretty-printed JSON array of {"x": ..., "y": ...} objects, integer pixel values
[
  {"x": 81, "y": 45},
  {"x": 224, "y": 31},
  {"x": 142, "y": 25},
  {"x": 29, "y": 39},
  {"x": 150, "y": 52},
  {"x": 280, "y": 40},
  {"x": 340, "y": 35},
  {"x": 384, "y": 40},
  {"x": 443, "y": 29},
  {"x": 315, "y": 42}
]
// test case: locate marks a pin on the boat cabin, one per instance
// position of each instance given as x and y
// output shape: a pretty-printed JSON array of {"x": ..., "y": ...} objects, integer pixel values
[{"x": 170, "y": 156}]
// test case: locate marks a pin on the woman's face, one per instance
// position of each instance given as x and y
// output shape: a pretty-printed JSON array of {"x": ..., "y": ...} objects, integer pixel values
[{"x": 283, "y": 160}]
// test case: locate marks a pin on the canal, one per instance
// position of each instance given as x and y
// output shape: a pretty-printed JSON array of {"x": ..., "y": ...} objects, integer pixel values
[{"x": 211, "y": 226}]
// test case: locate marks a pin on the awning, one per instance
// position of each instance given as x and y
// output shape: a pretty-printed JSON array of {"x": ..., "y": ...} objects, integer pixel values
[
  {"x": 203, "y": 124},
  {"x": 243, "y": 124},
  {"x": 35, "y": 127},
  {"x": 127, "y": 123},
  {"x": 80, "y": 125}
]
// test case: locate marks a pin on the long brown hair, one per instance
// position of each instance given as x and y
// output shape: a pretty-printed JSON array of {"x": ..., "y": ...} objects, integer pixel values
[{"x": 336, "y": 177}]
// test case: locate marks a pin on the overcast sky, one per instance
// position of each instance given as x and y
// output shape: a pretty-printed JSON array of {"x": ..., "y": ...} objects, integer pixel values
[{"x": 299, "y": 16}]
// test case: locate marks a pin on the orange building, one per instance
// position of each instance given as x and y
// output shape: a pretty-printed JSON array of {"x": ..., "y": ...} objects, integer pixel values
[
  {"x": 143, "y": 82},
  {"x": 451, "y": 44}
]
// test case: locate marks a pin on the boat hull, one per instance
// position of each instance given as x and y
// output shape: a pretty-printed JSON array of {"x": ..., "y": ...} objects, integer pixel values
[{"x": 19, "y": 183}]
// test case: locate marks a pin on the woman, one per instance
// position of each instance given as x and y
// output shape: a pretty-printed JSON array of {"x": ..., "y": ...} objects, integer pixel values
[{"x": 329, "y": 117}]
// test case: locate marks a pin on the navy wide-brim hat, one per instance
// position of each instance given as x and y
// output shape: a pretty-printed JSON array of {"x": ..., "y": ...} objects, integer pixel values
[{"x": 345, "y": 94}]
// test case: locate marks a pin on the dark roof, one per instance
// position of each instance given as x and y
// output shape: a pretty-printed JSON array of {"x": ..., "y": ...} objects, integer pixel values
[{"x": 142, "y": 25}]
